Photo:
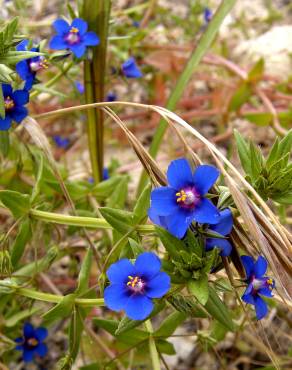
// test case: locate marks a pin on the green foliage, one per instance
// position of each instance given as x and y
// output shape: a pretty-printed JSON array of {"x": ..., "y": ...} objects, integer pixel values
[{"x": 270, "y": 176}]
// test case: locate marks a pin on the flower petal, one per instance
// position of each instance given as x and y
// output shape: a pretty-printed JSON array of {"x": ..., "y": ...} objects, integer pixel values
[
  {"x": 19, "y": 113},
  {"x": 22, "y": 69},
  {"x": 61, "y": 26},
  {"x": 90, "y": 39},
  {"x": 28, "y": 330},
  {"x": 19, "y": 340},
  {"x": 7, "y": 90},
  {"x": 158, "y": 220},
  {"x": 163, "y": 201},
  {"x": 118, "y": 272},
  {"x": 204, "y": 178},
  {"x": 130, "y": 69},
  {"x": 248, "y": 298},
  {"x": 261, "y": 307},
  {"x": 58, "y": 43},
  {"x": 41, "y": 333},
  {"x": 41, "y": 349},
  {"x": 205, "y": 212},
  {"x": 147, "y": 265},
  {"x": 20, "y": 97},
  {"x": 158, "y": 286},
  {"x": 138, "y": 307},
  {"x": 260, "y": 267},
  {"x": 223, "y": 244},
  {"x": 266, "y": 292},
  {"x": 80, "y": 24},
  {"x": 248, "y": 264},
  {"x": 178, "y": 222},
  {"x": 78, "y": 49},
  {"x": 116, "y": 297},
  {"x": 22, "y": 46},
  {"x": 179, "y": 174},
  {"x": 225, "y": 223},
  {"x": 27, "y": 355},
  {"x": 5, "y": 123}
]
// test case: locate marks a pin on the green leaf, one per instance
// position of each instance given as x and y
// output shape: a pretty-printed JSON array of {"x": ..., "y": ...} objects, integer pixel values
[
  {"x": 283, "y": 198},
  {"x": 22, "y": 238},
  {"x": 10, "y": 30},
  {"x": 5, "y": 74},
  {"x": 118, "y": 219},
  {"x": 169, "y": 325},
  {"x": 105, "y": 188},
  {"x": 256, "y": 160},
  {"x": 62, "y": 310},
  {"x": 218, "y": 310},
  {"x": 84, "y": 274},
  {"x": 39, "y": 159},
  {"x": 199, "y": 288},
  {"x": 142, "y": 205},
  {"x": 17, "y": 203},
  {"x": 241, "y": 96},
  {"x": 13, "y": 57},
  {"x": 119, "y": 196},
  {"x": 71, "y": 10},
  {"x": 171, "y": 243},
  {"x": 20, "y": 315},
  {"x": 243, "y": 152},
  {"x": 186, "y": 305},
  {"x": 273, "y": 155},
  {"x": 75, "y": 331},
  {"x": 256, "y": 72},
  {"x": 164, "y": 346},
  {"x": 4, "y": 142},
  {"x": 285, "y": 144}
]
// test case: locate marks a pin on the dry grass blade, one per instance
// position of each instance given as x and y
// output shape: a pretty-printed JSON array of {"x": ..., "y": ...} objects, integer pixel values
[{"x": 147, "y": 161}]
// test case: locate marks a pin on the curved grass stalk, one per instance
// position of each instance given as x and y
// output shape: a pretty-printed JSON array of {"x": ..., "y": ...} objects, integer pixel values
[
  {"x": 195, "y": 58},
  {"x": 88, "y": 222}
]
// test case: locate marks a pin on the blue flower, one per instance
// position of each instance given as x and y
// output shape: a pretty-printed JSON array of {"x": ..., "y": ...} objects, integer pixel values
[
  {"x": 174, "y": 207},
  {"x": 111, "y": 96},
  {"x": 130, "y": 69},
  {"x": 61, "y": 142},
  {"x": 133, "y": 286},
  {"x": 223, "y": 227},
  {"x": 74, "y": 37},
  {"x": 258, "y": 284},
  {"x": 80, "y": 87},
  {"x": 207, "y": 15},
  {"x": 105, "y": 174},
  {"x": 31, "y": 343},
  {"x": 27, "y": 69},
  {"x": 136, "y": 24},
  {"x": 14, "y": 102}
]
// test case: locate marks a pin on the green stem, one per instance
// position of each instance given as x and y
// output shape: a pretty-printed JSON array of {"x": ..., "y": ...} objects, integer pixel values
[
  {"x": 91, "y": 222},
  {"x": 96, "y": 13},
  {"x": 55, "y": 79},
  {"x": 152, "y": 347},
  {"x": 195, "y": 58},
  {"x": 52, "y": 298}
]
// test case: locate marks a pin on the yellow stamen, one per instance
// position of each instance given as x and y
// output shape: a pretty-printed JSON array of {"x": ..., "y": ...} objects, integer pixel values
[
  {"x": 270, "y": 281},
  {"x": 74, "y": 30},
  {"x": 133, "y": 281},
  {"x": 182, "y": 196}
]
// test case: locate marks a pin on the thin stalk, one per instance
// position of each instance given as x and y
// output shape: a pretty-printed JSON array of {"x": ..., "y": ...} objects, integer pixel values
[
  {"x": 90, "y": 222},
  {"x": 194, "y": 60},
  {"x": 96, "y": 13},
  {"x": 53, "y": 298},
  {"x": 152, "y": 347},
  {"x": 55, "y": 79}
]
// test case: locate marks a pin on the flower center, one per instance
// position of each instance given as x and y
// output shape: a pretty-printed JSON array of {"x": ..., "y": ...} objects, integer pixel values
[
  {"x": 259, "y": 284},
  {"x": 42, "y": 63},
  {"x": 8, "y": 103},
  {"x": 136, "y": 284},
  {"x": 186, "y": 198},
  {"x": 73, "y": 36},
  {"x": 32, "y": 342}
]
